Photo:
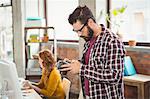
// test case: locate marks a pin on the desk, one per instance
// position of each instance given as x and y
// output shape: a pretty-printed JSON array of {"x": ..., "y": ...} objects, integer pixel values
[
  {"x": 142, "y": 82},
  {"x": 30, "y": 94}
]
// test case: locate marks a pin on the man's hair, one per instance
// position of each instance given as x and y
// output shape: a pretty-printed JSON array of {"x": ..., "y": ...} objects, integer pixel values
[{"x": 82, "y": 14}]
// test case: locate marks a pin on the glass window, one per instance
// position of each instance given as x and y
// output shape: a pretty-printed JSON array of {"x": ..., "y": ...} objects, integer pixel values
[
  {"x": 134, "y": 22},
  {"x": 6, "y": 35},
  {"x": 5, "y": 2},
  {"x": 58, "y": 12},
  {"x": 101, "y": 8},
  {"x": 34, "y": 8}
]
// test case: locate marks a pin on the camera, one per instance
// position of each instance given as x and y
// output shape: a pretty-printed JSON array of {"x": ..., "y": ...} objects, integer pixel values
[{"x": 60, "y": 63}]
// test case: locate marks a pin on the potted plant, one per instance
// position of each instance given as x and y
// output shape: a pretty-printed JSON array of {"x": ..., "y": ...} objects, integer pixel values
[
  {"x": 117, "y": 14},
  {"x": 132, "y": 43},
  {"x": 45, "y": 37}
]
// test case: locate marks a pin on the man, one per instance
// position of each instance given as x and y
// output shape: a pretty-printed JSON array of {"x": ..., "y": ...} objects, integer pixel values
[{"x": 102, "y": 64}]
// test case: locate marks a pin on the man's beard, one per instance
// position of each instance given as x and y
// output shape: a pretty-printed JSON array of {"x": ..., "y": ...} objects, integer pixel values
[{"x": 90, "y": 34}]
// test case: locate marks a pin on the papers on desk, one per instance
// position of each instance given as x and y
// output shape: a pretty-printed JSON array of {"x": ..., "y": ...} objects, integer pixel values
[
  {"x": 30, "y": 94},
  {"x": 26, "y": 92}
]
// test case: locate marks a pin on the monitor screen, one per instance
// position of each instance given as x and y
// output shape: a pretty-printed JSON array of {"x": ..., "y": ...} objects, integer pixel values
[{"x": 9, "y": 83}]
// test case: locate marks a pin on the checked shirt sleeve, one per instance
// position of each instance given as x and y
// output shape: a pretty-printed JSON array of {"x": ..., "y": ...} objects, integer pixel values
[{"x": 113, "y": 65}]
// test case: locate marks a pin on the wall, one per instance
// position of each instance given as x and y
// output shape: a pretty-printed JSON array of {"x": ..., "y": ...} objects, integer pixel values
[
  {"x": 70, "y": 51},
  {"x": 140, "y": 56},
  {"x": 18, "y": 38},
  {"x": 141, "y": 59}
]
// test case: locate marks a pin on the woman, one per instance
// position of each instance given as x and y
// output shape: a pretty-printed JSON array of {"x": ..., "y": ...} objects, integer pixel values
[{"x": 50, "y": 84}]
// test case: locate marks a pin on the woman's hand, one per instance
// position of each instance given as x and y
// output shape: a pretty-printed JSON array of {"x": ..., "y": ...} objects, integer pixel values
[{"x": 26, "y": 84}]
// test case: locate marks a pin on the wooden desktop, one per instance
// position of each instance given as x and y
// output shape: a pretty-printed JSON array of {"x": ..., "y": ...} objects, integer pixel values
[{"x": 142, "y": 82}]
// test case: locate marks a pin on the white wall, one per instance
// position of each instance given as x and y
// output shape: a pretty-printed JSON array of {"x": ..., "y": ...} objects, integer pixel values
[{"x": 18, "y": 30}]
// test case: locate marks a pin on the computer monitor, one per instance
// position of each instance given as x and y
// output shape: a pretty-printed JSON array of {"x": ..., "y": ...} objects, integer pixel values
[{"x": 9, "y": 83}]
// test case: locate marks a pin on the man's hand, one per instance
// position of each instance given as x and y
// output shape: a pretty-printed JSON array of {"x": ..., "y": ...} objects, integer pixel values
[{"x": 73, "y": 67}]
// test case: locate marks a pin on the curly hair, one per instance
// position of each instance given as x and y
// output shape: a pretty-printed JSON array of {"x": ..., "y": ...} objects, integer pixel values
[
  {"x": 82, "y": 14},
  {"x": 48, "y": 60}
]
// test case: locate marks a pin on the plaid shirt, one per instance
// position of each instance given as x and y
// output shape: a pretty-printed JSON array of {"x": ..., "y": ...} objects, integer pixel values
[{"x": 105, "y": 68}]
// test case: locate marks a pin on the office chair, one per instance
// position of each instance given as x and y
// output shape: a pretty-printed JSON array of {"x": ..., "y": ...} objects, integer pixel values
[{"x": 66, "y": 87}]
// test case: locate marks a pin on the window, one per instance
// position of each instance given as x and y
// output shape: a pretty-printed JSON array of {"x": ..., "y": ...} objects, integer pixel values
[
  {"x": 34, "y": 8},
  {"x": 58, "y": 12},
  {"x": 57, "y": 15},
  {"x": 101, "y": 8},
  {"x": 135, "y": 20},
  {"x": 4, "y": 3},
  {"x": 6, "y": 35}
]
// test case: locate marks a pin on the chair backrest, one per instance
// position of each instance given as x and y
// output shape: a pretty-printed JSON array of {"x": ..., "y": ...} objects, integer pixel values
[
  {"x": 80, "y": 94},
  {"x": 66, "y": 87}
]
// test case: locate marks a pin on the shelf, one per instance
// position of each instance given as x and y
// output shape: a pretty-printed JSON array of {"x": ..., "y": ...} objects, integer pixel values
[
  {"x": 33, "y": 48},
  {"x": 34, "y": 71},
  {"x": 49, "y": 41},
  {"x": 27, "y": 28},
  {"x": 32, "y": 59}
]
